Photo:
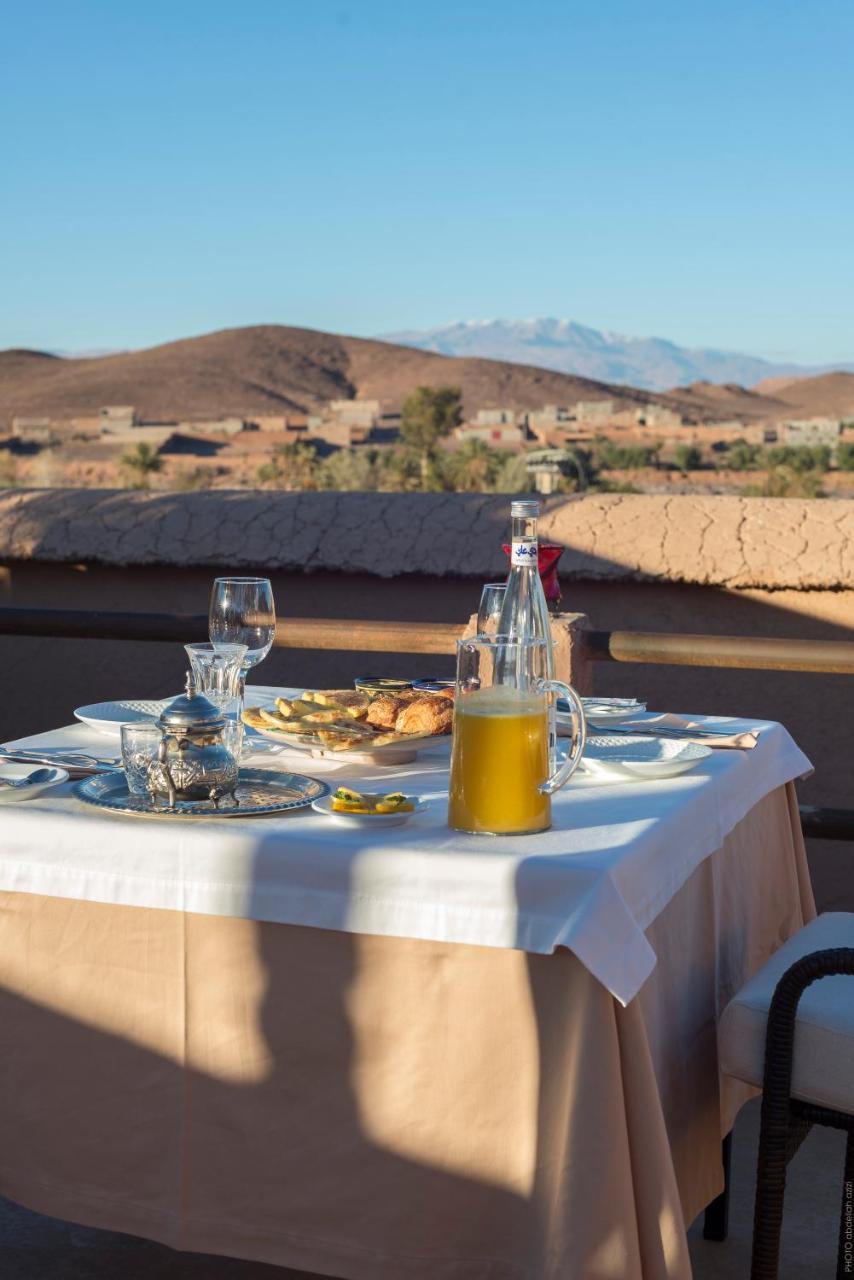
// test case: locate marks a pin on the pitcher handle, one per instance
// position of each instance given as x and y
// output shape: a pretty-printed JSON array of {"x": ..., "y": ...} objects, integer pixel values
[{"x": 564, "y": 771}]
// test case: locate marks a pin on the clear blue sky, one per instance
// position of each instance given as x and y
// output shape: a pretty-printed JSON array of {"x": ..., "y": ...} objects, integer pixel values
[{"x": 680, "y": 169}]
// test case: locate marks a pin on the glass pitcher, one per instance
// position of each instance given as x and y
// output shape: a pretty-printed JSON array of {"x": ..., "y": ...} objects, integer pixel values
[{"x": 504, "y": 767}]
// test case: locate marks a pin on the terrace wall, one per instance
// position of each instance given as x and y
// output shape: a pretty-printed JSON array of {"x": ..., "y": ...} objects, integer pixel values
[{"x": 717, "y": 565}]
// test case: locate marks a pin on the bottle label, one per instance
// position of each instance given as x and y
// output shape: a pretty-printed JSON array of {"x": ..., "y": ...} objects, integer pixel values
[{"x": 524, "y": 552}]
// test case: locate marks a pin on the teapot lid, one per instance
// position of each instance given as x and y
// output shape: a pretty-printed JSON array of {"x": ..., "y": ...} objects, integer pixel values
[{"x": 191, "y": 710}]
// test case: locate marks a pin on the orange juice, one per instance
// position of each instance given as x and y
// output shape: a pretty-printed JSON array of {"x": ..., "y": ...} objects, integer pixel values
[{"x": 500, "y": 757}]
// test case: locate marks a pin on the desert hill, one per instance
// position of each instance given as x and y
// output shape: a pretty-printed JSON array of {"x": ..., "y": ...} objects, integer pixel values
[
  {"x": 713, "y": 401},
  {"x": 268, "y": 369},
  {"x": 272, "y": 369},
  {"x": 830, "y": 394}
]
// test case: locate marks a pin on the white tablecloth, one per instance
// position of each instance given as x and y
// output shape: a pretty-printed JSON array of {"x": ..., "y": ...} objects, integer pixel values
[{"x": 616, "y": 855}]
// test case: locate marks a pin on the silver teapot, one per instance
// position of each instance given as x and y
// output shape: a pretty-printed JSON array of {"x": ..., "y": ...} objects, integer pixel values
[{"x": 195, "y": 763}]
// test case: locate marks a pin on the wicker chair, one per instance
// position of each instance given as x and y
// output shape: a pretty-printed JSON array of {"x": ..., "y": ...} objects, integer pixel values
[{"x": 801, "y": 1051}]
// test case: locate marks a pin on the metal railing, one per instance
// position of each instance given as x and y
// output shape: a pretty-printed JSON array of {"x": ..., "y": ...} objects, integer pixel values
[
  {"x": 829, "y": 657},
  {"x": 757, "y": 653},
  {"x": 291, "y": 633}
]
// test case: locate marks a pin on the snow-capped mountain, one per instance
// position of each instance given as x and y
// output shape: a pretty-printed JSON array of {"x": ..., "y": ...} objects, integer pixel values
[{"x": 569, "y": 347}]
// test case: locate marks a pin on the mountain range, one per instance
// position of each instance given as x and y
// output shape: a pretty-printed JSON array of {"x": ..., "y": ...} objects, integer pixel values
[
  {"x": 270, "y": 369},
  {"x": 275, "y": 369},
  {"x": 650, "y": 363}
]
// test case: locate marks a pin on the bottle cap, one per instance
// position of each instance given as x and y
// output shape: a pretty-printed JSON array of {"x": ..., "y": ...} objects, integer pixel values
[{"x": 525, "y": 507}]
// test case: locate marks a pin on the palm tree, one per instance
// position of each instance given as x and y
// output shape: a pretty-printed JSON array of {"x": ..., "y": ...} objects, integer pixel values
[
  {"x": 577, "y": 465},
  {"x": 474, "y": 466},
  {"x": 141, "y": 461}
]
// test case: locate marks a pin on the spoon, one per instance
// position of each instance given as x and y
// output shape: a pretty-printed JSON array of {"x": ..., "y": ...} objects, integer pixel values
[{"x": 29, "y": 780}]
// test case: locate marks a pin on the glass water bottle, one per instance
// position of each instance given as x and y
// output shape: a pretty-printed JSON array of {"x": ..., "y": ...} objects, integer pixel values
[{"x": 525, "y": 614}]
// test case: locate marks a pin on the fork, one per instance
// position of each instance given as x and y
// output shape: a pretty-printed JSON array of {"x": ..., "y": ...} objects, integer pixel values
[
  {"x": 61, "y": 757},
  {"x": 664, "y": 732}
]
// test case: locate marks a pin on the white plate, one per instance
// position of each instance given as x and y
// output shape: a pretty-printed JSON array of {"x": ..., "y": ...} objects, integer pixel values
[
  {"x": 629, "y": 757},
  {"x": 324, "y": 806},
  {"x": 108, "y": 717},
  {"x": 391, "y": 753},
  {"x": 11, "y": 771}
]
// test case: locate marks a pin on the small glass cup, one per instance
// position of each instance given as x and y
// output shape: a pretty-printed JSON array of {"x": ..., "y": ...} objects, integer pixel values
[
  {"x": 489, "y": 610},
  {"x": 140, "y": 744},
  {"x": 216, "y": 672},
  {"x": 232, "y": 737}
]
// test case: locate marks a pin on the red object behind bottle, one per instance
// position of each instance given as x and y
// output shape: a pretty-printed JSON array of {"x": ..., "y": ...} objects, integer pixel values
[{"x": 548, "y": 554}]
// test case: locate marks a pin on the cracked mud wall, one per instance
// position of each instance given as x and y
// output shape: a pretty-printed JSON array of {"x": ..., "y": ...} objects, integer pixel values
[{"x": 735, "y": 543}]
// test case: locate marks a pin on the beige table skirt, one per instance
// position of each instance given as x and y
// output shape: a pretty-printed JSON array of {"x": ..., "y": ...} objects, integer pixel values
[{"x": 377, "y": 1108}]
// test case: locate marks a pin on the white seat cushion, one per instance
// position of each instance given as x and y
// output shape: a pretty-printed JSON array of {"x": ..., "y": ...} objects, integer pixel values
[{"x": 823, "y": 1070}]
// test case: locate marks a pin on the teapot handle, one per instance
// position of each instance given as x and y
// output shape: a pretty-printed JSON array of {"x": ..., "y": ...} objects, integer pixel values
[
  {"x": 162, "y": 756},
  {"x": 564, "y": 771}
]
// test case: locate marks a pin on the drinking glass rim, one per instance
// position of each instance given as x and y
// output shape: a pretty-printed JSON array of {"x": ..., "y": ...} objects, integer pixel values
[
  {"x": 242, "y": 582},
  {"x": 142, "y": 726},
  {"x": 214, "y": 647},
  {"x": 504, "y": 640}
]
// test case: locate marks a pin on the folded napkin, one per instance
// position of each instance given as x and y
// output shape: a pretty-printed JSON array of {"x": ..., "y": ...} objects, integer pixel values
[{"x": 693, "y": 731}]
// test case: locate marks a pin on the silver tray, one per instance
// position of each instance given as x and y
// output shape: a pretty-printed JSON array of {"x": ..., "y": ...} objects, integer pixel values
[{"x": 259, "y": 791}]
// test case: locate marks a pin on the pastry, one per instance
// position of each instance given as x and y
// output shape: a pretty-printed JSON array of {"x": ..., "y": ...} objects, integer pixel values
[
  {"x": 384, "y": 710},
  {"x": 426, "y": 715}
]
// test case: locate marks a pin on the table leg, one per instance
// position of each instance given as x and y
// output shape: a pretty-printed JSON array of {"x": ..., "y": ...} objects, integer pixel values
[{"x": 716, "y": 1219}]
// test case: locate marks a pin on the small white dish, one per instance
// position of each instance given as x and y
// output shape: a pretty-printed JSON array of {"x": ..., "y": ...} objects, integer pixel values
[
  {"x": 324, "y": 806},
  {"x": 603, "y": 714},
  {"x": 108, "y": 717},
  {"x": 628, "y": 757},
  {"x": 12, "y": 772},
  {"x": 600, "y": 713}
]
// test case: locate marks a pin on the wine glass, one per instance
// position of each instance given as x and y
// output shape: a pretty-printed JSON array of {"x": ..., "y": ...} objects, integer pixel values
[
  {"x": 489, "y": 610},
  {"x": 242, "y": 612}
]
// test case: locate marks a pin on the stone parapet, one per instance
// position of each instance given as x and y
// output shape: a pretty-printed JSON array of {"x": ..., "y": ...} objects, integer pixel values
[{"x": 771, "y": 544}]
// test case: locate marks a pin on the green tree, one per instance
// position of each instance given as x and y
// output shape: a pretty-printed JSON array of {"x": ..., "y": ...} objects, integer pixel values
[
  {"x": 622, "y": 457},
  {"x": 741, "y": 456},
  {"x": 513, "y": 475},
  {"x": 687, "y": 457},
  {"x": 193, "y": 479},
  {"x": 473, "y": 467},
  {"x": 428, "y": 415},
  {"x": 803, "y": 457},
  {"x": 784, "y": 482},
  {"x": 349, "y": 470},
  {"x": 578, "y": 468},
  {"x": 845, "y": 455},
  {"x": 8, "y": 471},
  {"x": 141, "y": 463},
  {"x": 616, "y": 486},
  {"x": 399, "y": 471},
  {"x": 292, "y": 466}
]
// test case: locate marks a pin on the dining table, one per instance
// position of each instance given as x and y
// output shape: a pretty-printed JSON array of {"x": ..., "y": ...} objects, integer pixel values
[{"x": 400, "y": 1052}]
